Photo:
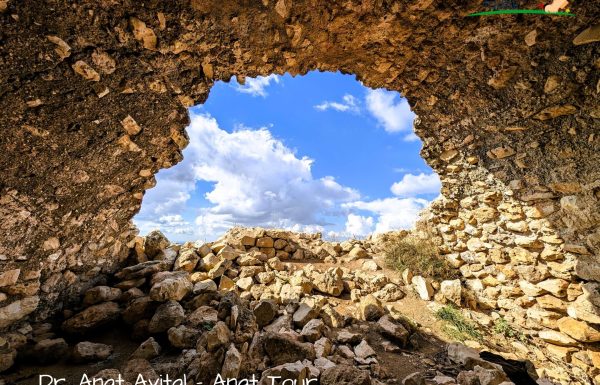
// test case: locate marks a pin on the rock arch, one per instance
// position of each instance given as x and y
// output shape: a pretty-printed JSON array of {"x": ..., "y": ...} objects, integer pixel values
[{"x": 94, "y": 97}]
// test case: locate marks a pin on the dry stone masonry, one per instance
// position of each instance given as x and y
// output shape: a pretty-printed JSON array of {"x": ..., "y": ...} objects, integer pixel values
[
  {"x": 94, "y": 94},
  {"x": 256, "y": 302}
]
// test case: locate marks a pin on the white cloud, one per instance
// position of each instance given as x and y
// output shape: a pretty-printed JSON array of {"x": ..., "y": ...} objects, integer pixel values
[
  {"x": 393, "y": 213},
  {"x": 257, "y": 86},
  {"x": 412, "y": 137},
  {"x": 412, "y": 185},
  {"x": 349, "y": 104},
  {"x": 359, "y": 225},
  {"x": 394, "y": 115},
  {"x": 257, "y": 181}
]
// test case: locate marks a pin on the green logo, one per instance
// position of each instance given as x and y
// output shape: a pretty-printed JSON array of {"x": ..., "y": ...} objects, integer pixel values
[{"x": 515, "y": 7}]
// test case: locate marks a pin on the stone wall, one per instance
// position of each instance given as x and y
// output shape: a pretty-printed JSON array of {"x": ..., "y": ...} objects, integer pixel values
[{"x": 94, "y": 97}]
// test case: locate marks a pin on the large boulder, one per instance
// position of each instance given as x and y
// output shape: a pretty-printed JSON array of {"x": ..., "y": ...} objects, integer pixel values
[
  {"x": 313, "y": 330},
  {"x": 370, "y": 309},
  {"x": 171, "y": 286},
  {"x": 218, "y": 336},
  {"x": 168, "y": 315},
  {"x": 265, "y": 311},
  {"x": 330, "y": 282},
  {"x": 17, "y": 310},
  {"x": 187, "y": 260},
  {"x": 303, "y": 314},
  {"x": 282, "y": 349},
  {"x": 101, "y": 294},
  {"x": 578, "y": 330},
  {"x": 393, "y": 330},
  {"x": 232, "y": 363},
  {"x": 452, "y": 291},
  {"x": 154, "y": 243},
  {"x": 92, "y": 318}
]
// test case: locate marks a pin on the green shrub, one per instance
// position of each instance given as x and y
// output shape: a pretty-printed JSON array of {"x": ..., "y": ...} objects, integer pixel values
[
  {"x": 421, "y": 256},
  {"x": 501, "y": 326},
  {"x": 456, "y": 326}
]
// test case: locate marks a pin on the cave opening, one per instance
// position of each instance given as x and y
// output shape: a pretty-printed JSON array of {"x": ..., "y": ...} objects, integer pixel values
[{"x": 314, "y": 153}]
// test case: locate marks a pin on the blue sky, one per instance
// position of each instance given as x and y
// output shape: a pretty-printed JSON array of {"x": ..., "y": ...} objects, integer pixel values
[{"x": 319, "y": 152}]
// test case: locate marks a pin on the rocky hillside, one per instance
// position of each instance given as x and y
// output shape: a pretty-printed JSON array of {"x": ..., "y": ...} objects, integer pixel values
[{"x": 256, "y": 302}]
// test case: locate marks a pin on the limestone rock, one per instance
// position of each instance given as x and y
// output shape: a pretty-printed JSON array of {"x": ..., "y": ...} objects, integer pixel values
[
  {"x": 346, "y": 337},
  {"x": 557, "y": 338},
  {"x": 393, "y": 330},
  {"x": 265, "y": 242},
  {"x": 92, "y": 318},
  {"x": 86, "y": 71},
  {"x": 136, "y": 367},
  {"x": 295, "y": 371},
  {"x": 329, "y": 282},
  {"x": 232, "y": 363},
  {"x": 313, "y": 330},
  {"x": 583, "y": 309},
  {"x": 101, "y": 294},
  {"x": 364, "y": 350},
  {"x": 578, "y": 330},
  {"x": 147, "y": 350},
  {"x": 183, "y": 337},
  {"x": 9, "y": 277},
  {"x": 154, "y": 243},
  {"x": 389, "y": 293},
  {"x": 556, "y": 286},
  {"x": 370, "y": 309},
  {"x": 304, "y": 314},
  {"x": 323, "y": 347},
  {"x": 173, "y": 286},
  {"x": 265, "y": 311},
  {"x": 357, "y": 252},
  {"x": 17, "y": 310},
  {"x": 345, "y": 375},
  {"x": 245, "y": 283},
  {"x": 282, "y": 349},
  {"x": 452, "y": 291},
  {"x": 205, "y": 286},
  {"x": 423, "y": 287},
  {"x": 91, "y": 352},
  {"x": 144, "y": 34},
  {"x": 168, "y": 315},
  {"x": 589, "y": 35},
  {"x": 218, "y": 336},
  {"x": 187, "y": 260}
]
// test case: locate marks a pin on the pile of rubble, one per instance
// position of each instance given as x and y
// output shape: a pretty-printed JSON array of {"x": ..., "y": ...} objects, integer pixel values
[{"x": 240, "y": 307}]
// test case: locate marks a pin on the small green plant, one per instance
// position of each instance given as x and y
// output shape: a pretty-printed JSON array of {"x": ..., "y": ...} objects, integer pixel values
[
  {"x": 501, "y": 326},
  {"x": 421, "y": 256},
  {"x": 456, "y": 326}
]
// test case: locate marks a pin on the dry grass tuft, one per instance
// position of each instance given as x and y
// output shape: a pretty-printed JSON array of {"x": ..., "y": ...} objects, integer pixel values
[{"x": 421, "y": 256}]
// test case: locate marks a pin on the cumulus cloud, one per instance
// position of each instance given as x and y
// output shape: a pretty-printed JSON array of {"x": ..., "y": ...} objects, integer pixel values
[
  {"x": 412, "y": 185},
  {"x": 257, "y": 86},
  {"x": 390, "y": 110},
  {"x": 256, "y": 179},
  {"x": 393, "y": 213},
  {"x": 359, "y": 225},
  {"x": 349, "y": 104}
]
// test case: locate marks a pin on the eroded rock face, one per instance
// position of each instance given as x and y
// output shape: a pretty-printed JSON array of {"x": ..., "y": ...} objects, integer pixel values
[{"x": 95, "y": 104}]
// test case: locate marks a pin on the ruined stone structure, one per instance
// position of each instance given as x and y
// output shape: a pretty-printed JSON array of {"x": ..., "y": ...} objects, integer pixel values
[{"x": 94, "y": 94}]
